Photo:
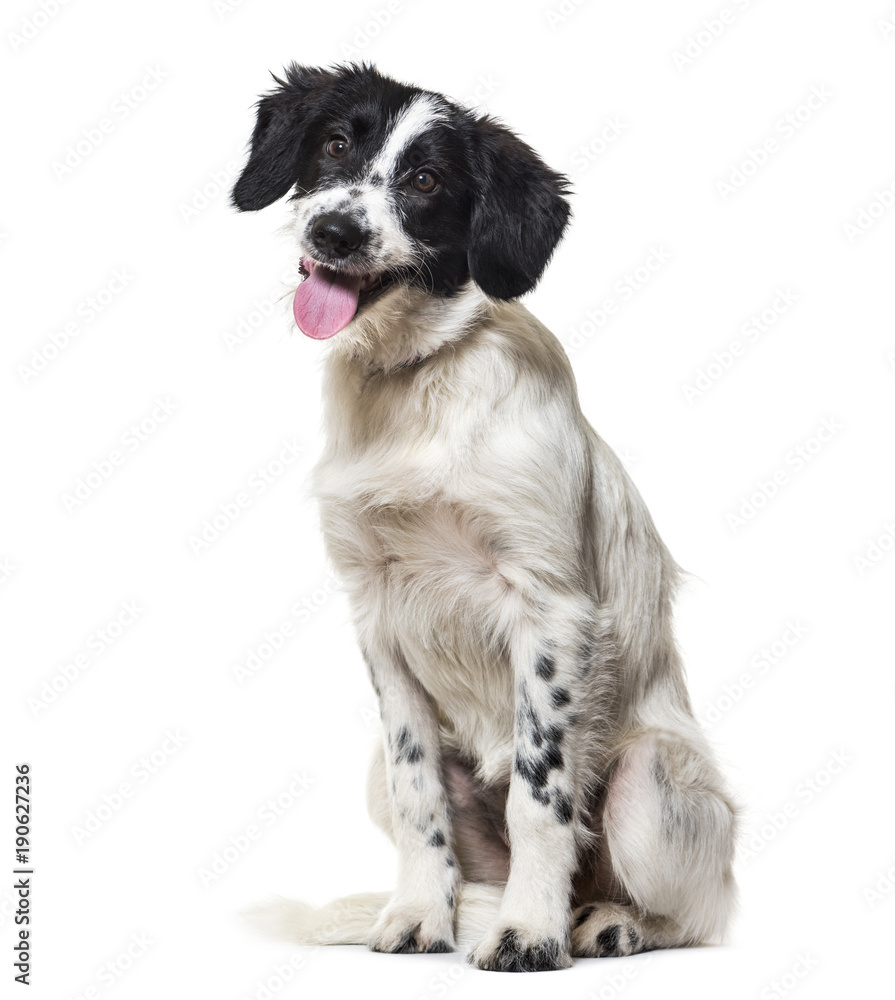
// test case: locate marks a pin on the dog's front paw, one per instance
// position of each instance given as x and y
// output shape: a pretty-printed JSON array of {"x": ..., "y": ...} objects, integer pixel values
[
  {"x": 514, "y": 949},
  {"x": 410, "y": 927}
]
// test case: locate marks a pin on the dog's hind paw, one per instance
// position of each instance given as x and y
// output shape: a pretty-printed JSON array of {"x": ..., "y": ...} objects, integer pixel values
[
  {"x": 603, "y": 930},
  {"x": 515, "y": 950},
  {"x": 405, "y": 929}
]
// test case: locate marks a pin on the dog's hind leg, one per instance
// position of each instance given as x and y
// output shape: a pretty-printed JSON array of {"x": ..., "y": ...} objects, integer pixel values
[{"x": 669, "y": 829}]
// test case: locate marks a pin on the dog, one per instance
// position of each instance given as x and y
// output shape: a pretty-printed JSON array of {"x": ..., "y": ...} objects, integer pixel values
[{"x": 541, "y": 772}]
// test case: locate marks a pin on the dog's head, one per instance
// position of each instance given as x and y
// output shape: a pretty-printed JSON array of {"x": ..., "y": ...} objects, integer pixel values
[{"x": 396, "y": 188}]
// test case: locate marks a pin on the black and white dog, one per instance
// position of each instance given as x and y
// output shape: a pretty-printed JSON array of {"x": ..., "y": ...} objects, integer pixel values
[{"x": 541, "y": 772}]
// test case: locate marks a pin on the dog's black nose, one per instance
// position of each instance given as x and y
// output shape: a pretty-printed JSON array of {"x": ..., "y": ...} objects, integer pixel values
[{"x": 336, "y": 235}]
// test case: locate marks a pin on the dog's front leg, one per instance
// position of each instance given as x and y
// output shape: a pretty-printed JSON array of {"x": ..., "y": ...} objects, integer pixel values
[
  {"x": 550, "y": 661},
  {"x": 420, "y": 914}
]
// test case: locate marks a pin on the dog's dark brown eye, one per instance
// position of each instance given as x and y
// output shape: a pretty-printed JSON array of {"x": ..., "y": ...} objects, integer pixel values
[
  {"x": 337, "y": 147},
  {"x": 424, "y": 181}
]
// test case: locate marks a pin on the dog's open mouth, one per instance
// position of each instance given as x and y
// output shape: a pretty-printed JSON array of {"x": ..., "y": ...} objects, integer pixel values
[{"x": 327, "y": 300}]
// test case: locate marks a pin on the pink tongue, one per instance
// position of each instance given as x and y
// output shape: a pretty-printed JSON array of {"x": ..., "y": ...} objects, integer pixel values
[{"x": 325, "y": 302}]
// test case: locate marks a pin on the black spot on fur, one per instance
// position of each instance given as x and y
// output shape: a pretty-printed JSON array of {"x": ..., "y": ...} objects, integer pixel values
[
  {"x": 408, "y": 750},
  {"x": 437, "y": 839},
  {"x": 545, "y": 667},
  {"x": 607, "y": 942},
  {"x": 559, "y": 697},
  {"x": 438, "y": 948},
  {"x": 512, "y": 956},
  {"x": 633, "y": 939},
  {"x": 406, "y": 946},
  {"x": 450, "y": 862},
  {"x": 586, "y": 653},
  {"x": 535, "y": 763},
  {"x": 451, "y": 901},
  {"x": 583, "y": 915},
  {"x": 562, "y": 806}
]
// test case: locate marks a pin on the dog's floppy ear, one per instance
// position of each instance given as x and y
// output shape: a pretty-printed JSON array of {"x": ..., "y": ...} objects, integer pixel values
[
  {"x": 280, "y": 127},
  {"x": 518, "y": 216}
]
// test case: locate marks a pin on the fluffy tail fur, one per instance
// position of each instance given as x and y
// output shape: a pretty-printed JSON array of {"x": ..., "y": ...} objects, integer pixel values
[{"x": 350, "y": 920}]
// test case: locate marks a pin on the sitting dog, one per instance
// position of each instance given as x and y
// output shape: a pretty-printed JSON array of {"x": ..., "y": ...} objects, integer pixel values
[{"x": 541, "y": 772}]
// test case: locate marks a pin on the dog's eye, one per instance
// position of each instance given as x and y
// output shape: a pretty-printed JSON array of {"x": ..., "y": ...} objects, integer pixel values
[
  {"x": 336, "y": 147},
  {"x": 424, "y": 181}
]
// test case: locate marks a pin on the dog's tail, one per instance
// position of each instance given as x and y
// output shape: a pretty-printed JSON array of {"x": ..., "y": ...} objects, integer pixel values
[{"x": 350, "y": 920}]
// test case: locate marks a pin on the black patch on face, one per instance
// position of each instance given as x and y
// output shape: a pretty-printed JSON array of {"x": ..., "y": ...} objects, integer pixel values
[
  {"x": 512, "y": 956},
  {"x": 607, "y": 942},
  {"x": 545, "y": 667},
  {"x": 559, "y": 696},
  {"x": 407, "y": 751},
  {"x": 437, "y": 839},
  {"x": 496, "y": 215},
  {"x": 562, "y": 806}
]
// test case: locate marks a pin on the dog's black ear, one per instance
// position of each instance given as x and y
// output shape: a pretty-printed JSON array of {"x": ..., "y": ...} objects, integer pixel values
[
  {"x": 518, "y": 216},
  {"x": 280, "y": 127}
]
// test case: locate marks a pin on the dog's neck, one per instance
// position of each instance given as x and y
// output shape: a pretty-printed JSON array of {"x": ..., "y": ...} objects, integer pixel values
[{"x": 408, "y": 326}]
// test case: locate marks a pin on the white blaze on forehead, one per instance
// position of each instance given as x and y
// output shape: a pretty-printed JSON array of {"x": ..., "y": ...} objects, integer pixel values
[{"x": 414, "y": 119}]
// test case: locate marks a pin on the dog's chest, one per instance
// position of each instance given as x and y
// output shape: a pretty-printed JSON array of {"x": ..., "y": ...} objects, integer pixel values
[{"x": 409, "y": 527}]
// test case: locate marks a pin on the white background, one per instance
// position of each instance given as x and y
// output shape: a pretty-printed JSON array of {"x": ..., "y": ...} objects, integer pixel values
[{"x": 803, "y": 738}]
